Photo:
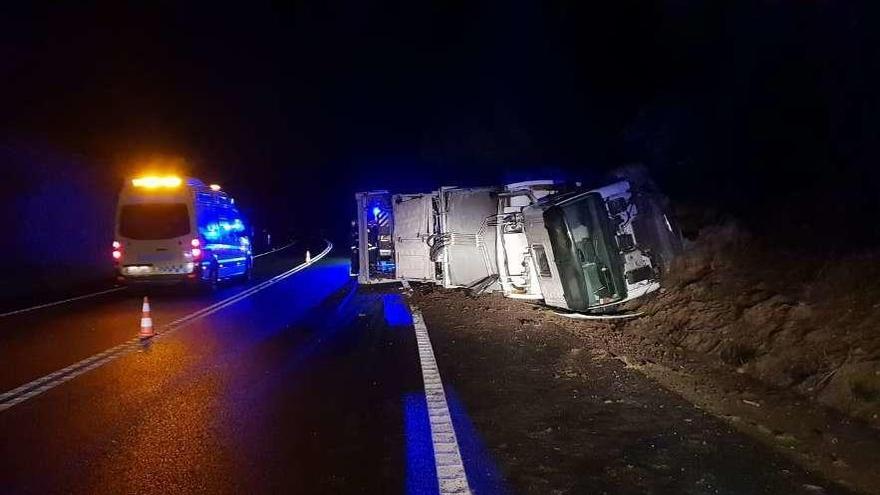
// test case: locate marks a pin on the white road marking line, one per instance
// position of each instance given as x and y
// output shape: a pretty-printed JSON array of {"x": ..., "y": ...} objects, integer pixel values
[
  {"x": 115, "y": 289},
  {"x": 52, "y": 380},
  {"x": 56, "y": 303},
  {"x": 451, "y": 476},
  {"x": 275, "y": 250}
]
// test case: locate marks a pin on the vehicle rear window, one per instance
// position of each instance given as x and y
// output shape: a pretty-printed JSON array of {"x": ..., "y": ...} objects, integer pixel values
[{"x": 153, "y": 221}]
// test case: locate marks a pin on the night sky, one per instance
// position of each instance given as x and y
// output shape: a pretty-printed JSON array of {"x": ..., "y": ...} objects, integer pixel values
[{"x": 754, "y": 108}]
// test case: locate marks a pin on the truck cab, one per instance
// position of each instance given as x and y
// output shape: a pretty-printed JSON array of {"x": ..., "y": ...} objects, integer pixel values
[{"x": 602, "y": 247}]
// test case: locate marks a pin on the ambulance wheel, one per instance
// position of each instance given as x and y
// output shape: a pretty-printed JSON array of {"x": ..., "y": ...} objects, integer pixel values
[
  {"x": 215, "y": 278},
  {"x": 249, "y": 271},
  {"x": 212, "y": 281}
]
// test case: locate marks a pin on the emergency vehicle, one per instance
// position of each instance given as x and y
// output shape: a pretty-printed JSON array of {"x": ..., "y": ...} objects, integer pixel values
[{"x": 173, "y": 230}]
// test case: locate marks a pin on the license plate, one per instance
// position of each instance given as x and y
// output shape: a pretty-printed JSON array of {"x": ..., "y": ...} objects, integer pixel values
[
  {"x": 155, "y": 257},
  {"x": 137, "y": 270}
]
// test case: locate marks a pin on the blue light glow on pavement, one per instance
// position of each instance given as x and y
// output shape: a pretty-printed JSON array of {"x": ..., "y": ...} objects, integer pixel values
[
  {"x": 396, "y": 311},
  {"x": 421, "y": 473}
]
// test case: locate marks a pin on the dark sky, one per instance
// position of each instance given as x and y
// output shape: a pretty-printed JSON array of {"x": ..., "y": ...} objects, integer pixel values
[{"x": 294, "y": 107}]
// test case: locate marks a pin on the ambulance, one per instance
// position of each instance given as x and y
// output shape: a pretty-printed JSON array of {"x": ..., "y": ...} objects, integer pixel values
[{"x": 172, "y": 230}]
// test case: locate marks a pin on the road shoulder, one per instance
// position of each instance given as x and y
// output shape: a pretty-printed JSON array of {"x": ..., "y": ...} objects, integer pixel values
[{"x": 561, "y": 413}]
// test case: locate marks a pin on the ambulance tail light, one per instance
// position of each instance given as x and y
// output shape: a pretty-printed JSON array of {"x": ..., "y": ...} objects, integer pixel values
[
  {"x": 196, "y": 250},
  {"x": 117, "y": 251}
]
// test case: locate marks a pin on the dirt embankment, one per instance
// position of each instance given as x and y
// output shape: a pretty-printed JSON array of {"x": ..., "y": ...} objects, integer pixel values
[
  {"x": 794, "y": 322},
  {"x": 782, "y": 346},
  {"x": 560, "y": 413}
]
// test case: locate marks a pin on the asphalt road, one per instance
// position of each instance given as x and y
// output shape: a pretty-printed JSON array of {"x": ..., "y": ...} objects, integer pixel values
[
  {"x": 301, "y": 382},
  {"x": 299, "y": 388}
]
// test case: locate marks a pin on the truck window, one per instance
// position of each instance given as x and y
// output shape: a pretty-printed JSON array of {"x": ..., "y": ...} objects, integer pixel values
[
  {"x": 153, "y": 221},
  {"x": 541, "y": 260}
]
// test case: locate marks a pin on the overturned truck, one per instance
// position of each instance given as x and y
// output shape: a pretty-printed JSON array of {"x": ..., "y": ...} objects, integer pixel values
[{"x": 572, "y": 247}]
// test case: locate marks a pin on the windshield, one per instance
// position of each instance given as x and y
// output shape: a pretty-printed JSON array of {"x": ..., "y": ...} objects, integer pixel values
[
  {"x": 580, "y": 235},
  {"x": 153, "y": 221}
]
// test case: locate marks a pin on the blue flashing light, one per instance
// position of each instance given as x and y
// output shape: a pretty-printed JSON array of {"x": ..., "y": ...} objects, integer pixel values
[
  {"x": 385, "y": 266},
  {"x": 211, "y": 232},
  {"x": 376, "y": 211}
]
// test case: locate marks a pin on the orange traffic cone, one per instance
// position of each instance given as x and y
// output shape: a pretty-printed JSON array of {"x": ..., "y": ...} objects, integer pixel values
[
  {"x": 308, "y": 257},
  {"x": 146, "y": 321}
]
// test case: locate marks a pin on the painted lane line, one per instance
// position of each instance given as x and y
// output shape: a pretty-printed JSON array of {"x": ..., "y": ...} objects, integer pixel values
[
  {"x": 451, "y": 476},
  {"x": 133, "y": 344},
  {"x": 275, "y": 250},
  {"x": 192, "y": 316},
  {"x": 174, "y": 325},
  {"x": 108, "y": 291},
  {"x": 52, "y": 380},
  {"x": 241, "y": 295},
  {"x": 39, "y": 381},
  {"x": 64, "y": 301}
]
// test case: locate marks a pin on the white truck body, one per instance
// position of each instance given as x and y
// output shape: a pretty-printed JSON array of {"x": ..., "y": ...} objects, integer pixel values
[{"x": 574, "y": 248}]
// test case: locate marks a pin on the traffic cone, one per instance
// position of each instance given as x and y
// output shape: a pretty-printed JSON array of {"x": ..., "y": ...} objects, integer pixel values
[
  {"x": 308, "y": 257},
  {"x": 146, "y": 321}
]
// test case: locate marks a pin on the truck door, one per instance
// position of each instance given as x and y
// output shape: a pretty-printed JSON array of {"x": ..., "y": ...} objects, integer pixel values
[
  {"x": 468, "y": 238},
  {"x": 413, "y": 224}
]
